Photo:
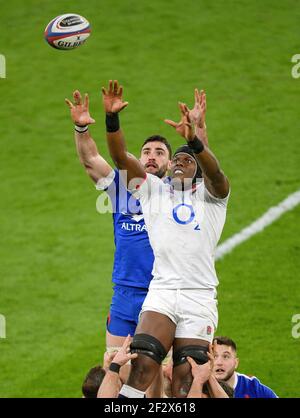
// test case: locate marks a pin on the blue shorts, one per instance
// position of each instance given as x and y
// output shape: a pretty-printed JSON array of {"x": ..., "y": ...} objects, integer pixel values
[{"x": 124, "y": 310}]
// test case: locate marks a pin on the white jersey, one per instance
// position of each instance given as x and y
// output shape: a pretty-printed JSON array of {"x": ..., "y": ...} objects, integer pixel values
[{"x": 184, "y": 229}]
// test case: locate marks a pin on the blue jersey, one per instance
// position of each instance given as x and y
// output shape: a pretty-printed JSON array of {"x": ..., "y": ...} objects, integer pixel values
[
  {"x": 133, "y": 260},
  {"x": 250, "y": 387}
]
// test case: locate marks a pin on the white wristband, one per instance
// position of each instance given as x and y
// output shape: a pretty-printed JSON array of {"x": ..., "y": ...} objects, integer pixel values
[{"x": 81, "y": 129}]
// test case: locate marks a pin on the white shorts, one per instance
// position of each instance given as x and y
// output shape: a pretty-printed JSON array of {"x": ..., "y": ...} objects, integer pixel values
[{"x": 193, "y": 311}]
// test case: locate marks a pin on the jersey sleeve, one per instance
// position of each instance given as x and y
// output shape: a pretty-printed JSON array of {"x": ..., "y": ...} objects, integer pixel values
[
  {"x": 263, "y": 391},
  {"x": 105, "y": 182},
  {"x": 111, "y": 185},
  {"x": 210, "y": 198}
]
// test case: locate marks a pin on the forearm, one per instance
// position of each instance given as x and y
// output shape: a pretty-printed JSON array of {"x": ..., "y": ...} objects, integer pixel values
[
  {"x": 86, "y": 147},
  {"x": 215, "y": 180},
  {"x": 201, "y": 133},
  {"x": 118, "y": 150},
  {"x": 94, "y": 164},
  {"x": 109, "y": 387},
  {"x": 209, "y": 165},
  {"x": 196, "y": 389},
  {"x": 217, "y": 390}
]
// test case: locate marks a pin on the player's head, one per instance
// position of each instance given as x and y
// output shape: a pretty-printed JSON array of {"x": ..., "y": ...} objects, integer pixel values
[
  {"x": 156, "y": 155},
  {"x": 184, "y": 167},
  {"x": 92, "y": 382},
  {"x": 226, "y": 361},
  {"x": 208, "y": 393}
]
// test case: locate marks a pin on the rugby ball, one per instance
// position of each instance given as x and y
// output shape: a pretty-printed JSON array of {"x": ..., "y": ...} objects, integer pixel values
[{"x": 67, "y": 31}]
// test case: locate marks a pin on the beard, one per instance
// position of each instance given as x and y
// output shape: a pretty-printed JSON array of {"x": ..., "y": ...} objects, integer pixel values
[
  {"x": 160, "y": 173},
  {"x": 227, "y": 376}
]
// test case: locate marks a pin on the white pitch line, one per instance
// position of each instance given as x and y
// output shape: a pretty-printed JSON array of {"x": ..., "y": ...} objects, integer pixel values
[{"x": 257, "y": 226}]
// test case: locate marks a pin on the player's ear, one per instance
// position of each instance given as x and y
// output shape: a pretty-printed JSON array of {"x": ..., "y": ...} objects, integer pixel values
[
  {"x": 169, "y": 164},
  {"x": 237, "y": 362}
]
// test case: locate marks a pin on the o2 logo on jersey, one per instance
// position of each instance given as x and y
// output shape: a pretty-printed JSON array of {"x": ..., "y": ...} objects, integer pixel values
[{"x": 184, "y": 214}]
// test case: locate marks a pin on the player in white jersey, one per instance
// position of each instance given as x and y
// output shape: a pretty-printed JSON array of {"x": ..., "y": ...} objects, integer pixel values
[{"x": 184, "y": 221}]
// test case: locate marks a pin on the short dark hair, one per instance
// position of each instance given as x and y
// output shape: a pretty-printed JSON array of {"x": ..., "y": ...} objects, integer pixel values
[
  {"x": 225, "y": 341},
  {"x": 158, "y": 138},
  {"x": 93, "y": 381}
]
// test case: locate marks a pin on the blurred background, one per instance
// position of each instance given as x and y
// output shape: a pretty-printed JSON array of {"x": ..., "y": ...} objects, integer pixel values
[{"x": 56, "y": 251}]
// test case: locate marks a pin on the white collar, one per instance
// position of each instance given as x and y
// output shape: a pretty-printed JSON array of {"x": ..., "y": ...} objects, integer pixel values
[{"x": 235, "y": 380}]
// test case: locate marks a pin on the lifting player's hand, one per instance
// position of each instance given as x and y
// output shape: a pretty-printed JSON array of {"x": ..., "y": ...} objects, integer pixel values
[
  {"x": 124, "y": 354},
  {"x": 112, "y": 98},
  {"x": 202, "y": 372},
  {"x": 80, "y": 111}
]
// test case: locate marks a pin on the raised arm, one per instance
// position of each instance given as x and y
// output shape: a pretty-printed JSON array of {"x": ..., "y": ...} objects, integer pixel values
[
  {"x": 113, "y": 104},
  {"x": 215, "y": 180},
  {"x": 95, "y": 165},
  {"x": 200, "y": 375},
  {"x": 111, "y": 383}
]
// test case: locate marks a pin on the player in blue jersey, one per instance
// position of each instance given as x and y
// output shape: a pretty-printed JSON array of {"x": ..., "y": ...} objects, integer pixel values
[
  {"x": 133, "y": 260},
  {"x": 225, "y": 366}
]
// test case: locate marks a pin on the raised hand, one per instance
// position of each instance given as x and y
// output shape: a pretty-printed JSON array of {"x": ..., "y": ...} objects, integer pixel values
[
  {"x": 180, "y": 126},
  {"x": 80, "y": 111},
  {"x": 124, "y": 355},
  {"x": 200, "y": 372},
  {"x": 112, "y": 97}
]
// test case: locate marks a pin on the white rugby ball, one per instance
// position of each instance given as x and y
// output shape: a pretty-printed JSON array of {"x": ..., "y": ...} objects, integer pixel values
[{"x": 67, "y": 31}]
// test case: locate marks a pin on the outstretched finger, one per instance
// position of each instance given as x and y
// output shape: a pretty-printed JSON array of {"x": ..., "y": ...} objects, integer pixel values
[
  {"x": 210, "y": 355},
  {"x": 171, "y": 123},
  {"x": 116, "y": 86},
  {"x": 187, "y": 119},
  {"x": 69, "y": 103},
  {"x": 184, "y": 109},
  {"x": 104, "y": 91},
  {"x": 189, "y": 125},
  {"x": 127, "y": 341},
  {"x": 120, "y": 91},
  {"x": 191, "y": 361},
  {"x": 86, "y": 101},
  {"x": 181, "y": 108},
  {"x": 197, "y": 96},
  {"x": 124, "y": 105},
  {"x": 110, "y": 86},
  {"x": 203, "y": 98},
  {"x": 132, "y": 356},
  {"x": 77, "y": 97}
]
